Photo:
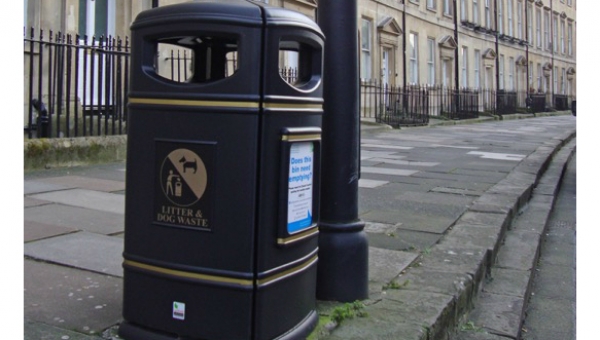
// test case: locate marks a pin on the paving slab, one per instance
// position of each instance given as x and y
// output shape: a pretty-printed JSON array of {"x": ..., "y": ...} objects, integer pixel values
[
  {"x": 32, "y": 202},
  {"x": 452, "y": 177},
  {"x": 39, "y": 186},
  {"x": 425, "y": 222},
  {"x": 90, "y": 199},
  {"x": 559, "y": 250},
  {"x": 87, "y": 183},
  {"x": 477, "y": 334},
  {"x": 497, "y": 203},
  {"x": 84, "y": 250},
  {"x": 385, "y": 265},
  {"x": 370, "y": 183},
  {"x": 484, "y": 219},
  {"x": 520, "y": 250},
  {"x": 475, "y": 236},
  {"x": 36, "y": 231},
  {"x": 454, "y": 191},
  {"x": 498, "y": 314},
  {"x": 533, "y": 218},
  {"x": 560, "y": 311},
  {"x": 39, "y": 330},
  {"x": 96, "y": 221},
  {"x": 403, "y": 240},
  {"x": 458, "y": 259},
  {"x": 555, "y": 281},
  {"x": 511, "y": 282},
  {"x": 71, "y": 299},
  {"x": 387, "y": 171},
  {"x": 400, "y": 314}
]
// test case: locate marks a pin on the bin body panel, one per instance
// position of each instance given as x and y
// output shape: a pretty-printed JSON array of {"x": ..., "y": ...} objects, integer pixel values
[
  {"x": 156, "y": 220},
  {"x": 210, "y": 249},
  {"x": 161, "y": 254},
  {"x": 287, "y": 107}
]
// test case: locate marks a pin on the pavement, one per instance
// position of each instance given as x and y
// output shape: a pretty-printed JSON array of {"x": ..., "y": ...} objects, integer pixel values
[{"x": 440, "y": 205}]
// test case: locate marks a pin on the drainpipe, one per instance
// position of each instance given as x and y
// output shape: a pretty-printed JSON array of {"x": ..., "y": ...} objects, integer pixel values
[
  {"x": 404, "y": 97},
  {"x": 497, "y": 52},
  {"x": 456, "y": 78},
  {"x": 527, "y": 99},
  {"x": 552, "y": 49},
  {"x": 404, "y": 44}
]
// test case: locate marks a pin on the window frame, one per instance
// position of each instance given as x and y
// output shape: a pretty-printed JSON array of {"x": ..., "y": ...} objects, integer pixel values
[
  {"x": 538, "y": 27},
  {"x": 562, "y": 37},
  {"x": 431, "y": 5},
  {"x": 509, "y": 17},
  {"x": 547, "y": 37},
  {"x": 570, "y": 39},
  {"x": 529, "y": 20},
  {"x": 366, "y": 69},
  {"x": 464, "y": 66},
  {"x": 511, "y": 73},
  {"x": 519, "y": 19},
  {"x": 463, "y": 10},
  {"x": 413, "y": 41},
  {"x": 477, "y": 69},
  {"x": 500, "y": 24},
  {"x": 431, "y": 61},
  {"x": 501, "y": 72},
  {"x": 448, "y": 8},
  {"x": 555, "y": 33}
]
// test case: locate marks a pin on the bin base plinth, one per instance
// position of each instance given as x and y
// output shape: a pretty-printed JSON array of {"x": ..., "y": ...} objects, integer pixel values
[
  {"x": 343, "y": 268},
  {"x": 130, "y": 331}
]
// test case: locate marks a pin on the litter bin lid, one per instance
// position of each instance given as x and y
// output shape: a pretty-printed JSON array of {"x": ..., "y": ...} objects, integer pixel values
[{"x": 233, "y": 12}]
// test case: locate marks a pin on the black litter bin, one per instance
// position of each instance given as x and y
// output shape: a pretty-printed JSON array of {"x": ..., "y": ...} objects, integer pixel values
[{"x": 223, "y": 165}]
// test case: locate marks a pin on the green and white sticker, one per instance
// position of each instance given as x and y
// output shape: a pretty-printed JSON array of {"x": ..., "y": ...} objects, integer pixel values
[{"x": 178, "y": 310}]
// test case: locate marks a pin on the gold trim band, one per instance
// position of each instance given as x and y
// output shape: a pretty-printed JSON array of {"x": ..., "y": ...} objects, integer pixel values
[
  {"x": 287, "y": 273},
  {"x": 188, "y": 275},
  {"x": 298, "y": 237},
  {"x": 219, "y": 103},
  {"x": 186, "y": 102},
  {"x": 300, "y": 138},
  {"x": 292, "y": 106},
  {"x": 223, "y": 279}
]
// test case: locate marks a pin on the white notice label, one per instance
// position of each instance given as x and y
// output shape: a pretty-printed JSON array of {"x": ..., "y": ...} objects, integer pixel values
[{"x": 300, "y": 187}]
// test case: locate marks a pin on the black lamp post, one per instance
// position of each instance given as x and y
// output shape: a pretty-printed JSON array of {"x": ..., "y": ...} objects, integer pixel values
[{"x": 342, "y": 273}]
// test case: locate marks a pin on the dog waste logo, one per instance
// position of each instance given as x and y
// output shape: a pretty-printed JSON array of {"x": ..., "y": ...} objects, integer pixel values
[
  {"x": 184, "y": 177},
  {"x": 183, "y": 181}
]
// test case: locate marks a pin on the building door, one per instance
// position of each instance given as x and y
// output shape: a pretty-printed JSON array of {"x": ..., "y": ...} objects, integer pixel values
[
  {"x": 447, "y": 73},
  {"x": 388, "y": 74},
  {"x": 487, "y": 87},
  {"x": 385, "y": 64}
]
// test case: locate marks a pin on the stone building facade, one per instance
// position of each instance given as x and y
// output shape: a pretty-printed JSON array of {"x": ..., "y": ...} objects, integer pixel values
[{"x": 524, "y": 46}]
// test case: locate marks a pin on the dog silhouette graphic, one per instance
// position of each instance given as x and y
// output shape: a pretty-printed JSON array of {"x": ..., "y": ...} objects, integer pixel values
[{"x": 188, "y": 164}]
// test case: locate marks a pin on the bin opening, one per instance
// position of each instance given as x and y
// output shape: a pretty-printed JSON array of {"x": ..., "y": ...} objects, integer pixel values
[
  {"x": 196, "y": 59},
  {"x": 298, "y": 64}
]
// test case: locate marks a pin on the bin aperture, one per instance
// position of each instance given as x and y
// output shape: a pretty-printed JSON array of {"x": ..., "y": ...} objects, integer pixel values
[
  {"x": 196, "y": 58},
  {"x": 297, "y": 57}
]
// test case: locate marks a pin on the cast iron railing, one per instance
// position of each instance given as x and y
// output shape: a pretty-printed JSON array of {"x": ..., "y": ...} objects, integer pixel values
[{"x": 75, "y": 86}]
